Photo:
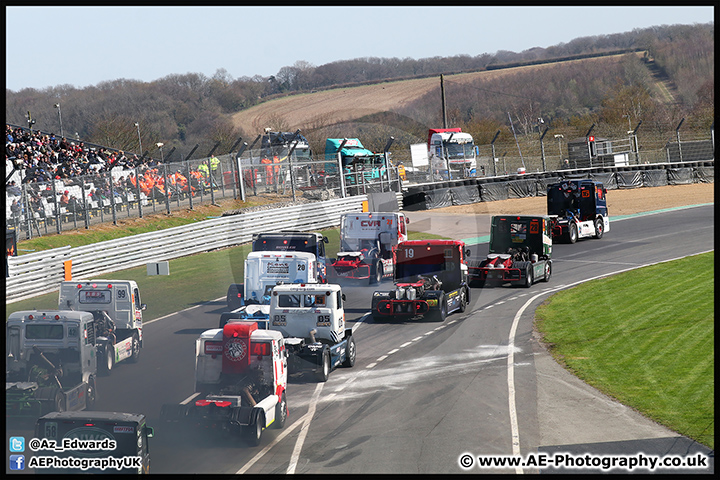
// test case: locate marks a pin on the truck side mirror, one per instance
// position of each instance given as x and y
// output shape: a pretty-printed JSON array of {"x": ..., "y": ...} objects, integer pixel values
[
  {"x": 143, "y": 306},
  {"x": 467, "y": 253},
  {"x": 325, "y": 240},
  {"x": 343, "y": 297},
  {"x": 150, "y": 432}
]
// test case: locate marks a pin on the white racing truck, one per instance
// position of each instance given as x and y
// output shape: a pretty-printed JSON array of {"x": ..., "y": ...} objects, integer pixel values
[
  {"x": 366, "y": 244},
  {"x": 50, "y": 362},
  {"x": 264, "y": 270},
  {"x": 116, "y": 306},
  {"x": 312, "y": 320},
  {"x": 240, "y": 379}
]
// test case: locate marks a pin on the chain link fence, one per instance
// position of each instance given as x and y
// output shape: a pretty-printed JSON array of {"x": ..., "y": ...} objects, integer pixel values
[{"x": 44, "y": 208}]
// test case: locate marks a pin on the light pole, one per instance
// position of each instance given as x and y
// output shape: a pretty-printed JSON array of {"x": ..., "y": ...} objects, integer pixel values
[
  {"x": 160, "y": 145},
  {"x": 559, "y": 136},
  {"x": 57, "y": 105},
  {"x": 137, "y": 124}
]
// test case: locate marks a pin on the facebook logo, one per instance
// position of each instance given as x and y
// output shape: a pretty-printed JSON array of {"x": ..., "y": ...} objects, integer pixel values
[
  {"x": 17, "y": 444},
  {"x": 17, "y": 462}
]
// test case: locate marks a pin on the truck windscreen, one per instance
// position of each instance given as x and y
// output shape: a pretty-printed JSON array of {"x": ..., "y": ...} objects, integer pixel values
[
  {"x": 44, "y": 332},
  {"x": 285, "y": 244}
]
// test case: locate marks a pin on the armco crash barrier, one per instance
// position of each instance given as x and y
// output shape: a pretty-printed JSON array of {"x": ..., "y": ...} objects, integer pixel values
[{"x": 488, "y": 189}]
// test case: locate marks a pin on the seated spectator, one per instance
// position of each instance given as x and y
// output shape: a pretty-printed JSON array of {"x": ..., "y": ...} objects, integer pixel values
[{"x": 13, "y": 189}]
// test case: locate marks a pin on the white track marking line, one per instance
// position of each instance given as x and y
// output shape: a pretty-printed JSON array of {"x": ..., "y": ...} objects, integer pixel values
[{"x": 304, "y": 430}]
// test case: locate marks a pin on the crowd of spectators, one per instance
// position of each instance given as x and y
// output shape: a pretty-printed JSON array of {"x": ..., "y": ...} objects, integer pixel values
[
  {"x": 46, "y": 156},
  {"x": 48, "y": 159}
]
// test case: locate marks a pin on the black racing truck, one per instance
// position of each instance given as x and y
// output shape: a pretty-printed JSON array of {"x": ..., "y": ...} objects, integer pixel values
[{"x": 577, "y": 209}]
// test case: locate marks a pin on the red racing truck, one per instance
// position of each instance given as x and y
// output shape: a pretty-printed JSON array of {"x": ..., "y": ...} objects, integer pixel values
[{"x": 431, "y": 280}]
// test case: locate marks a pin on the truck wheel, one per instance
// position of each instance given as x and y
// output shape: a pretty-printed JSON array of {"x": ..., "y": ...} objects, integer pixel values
[
  {"x": 463, "y": 301},
  {"x": 135, "y": 348},
  {"x": 253, "y": 432},
  {"x": 548, "y": 272},
  {"x": 572, "y": 233},
  {"x": 377, "y": 273},
  {"x": 324, "y": 372},
  {"x": 107, "y": 362},
  {"x": 599, "y": 228},
  {"x": 350, "y": 352},
  {"x": 529, "y": 276},
  {"x": 281, "y": 412},
  {"x": 91, "y": 394}
]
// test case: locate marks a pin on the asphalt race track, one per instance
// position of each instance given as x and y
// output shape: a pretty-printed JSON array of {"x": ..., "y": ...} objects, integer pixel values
[{"x": 424, "y": 394}]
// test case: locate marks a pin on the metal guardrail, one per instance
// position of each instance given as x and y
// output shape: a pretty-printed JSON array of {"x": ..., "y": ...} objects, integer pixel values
[{"x": 40, "y": 273}]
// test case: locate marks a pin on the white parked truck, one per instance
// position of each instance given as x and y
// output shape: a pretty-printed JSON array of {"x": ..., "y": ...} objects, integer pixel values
[
  {"x": 366, "y": 246},
  {"x": 117, "y": 309},
  {"x": 240, "y": 379},
  {"x": 450, "y": 148},
  {"x": 50, "y": 362}
]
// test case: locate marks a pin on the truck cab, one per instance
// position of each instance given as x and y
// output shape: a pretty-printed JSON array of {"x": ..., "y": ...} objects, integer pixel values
[
  {"x": 294, "y": 241},
  {"x": 451, "y": 148},
  {"x": 520, "y": 252},
  {"x": 264, "y": 270},
  {"x": 430, "y": 280},
  {"x": 578, "y": 209},
  {"x": 51, "y": 362},
  {"x": 120, "y": 301},
  {"x": 312, "y": 320},
  {"x": 366, "y": 242},
  {"x": 241, "y": 377},
  {"x": 357, "y": 161},
  {"x": 129, "y": 432}
]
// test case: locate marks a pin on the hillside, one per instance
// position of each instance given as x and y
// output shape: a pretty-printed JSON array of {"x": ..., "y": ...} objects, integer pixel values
[{"x": 337, "y": 105}]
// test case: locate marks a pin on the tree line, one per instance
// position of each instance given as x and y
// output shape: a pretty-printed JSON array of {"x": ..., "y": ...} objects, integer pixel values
[{"x": 185, "y": 110}]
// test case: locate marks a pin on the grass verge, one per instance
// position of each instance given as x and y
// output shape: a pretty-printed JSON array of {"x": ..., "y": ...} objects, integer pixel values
[{"x": 645, "y": 337}]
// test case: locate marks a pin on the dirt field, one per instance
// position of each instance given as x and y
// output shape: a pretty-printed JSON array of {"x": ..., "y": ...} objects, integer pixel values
[
  {"x": 620, "y": 202},
  {"x": 325, "y": 107}
]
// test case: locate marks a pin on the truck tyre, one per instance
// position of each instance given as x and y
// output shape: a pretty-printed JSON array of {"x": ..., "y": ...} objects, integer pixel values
[
  {"x": 281, "y": 412},
  {"x": 324, "y": 367},
  {"x": 548, "y": 272},
  {"x": 599, "y": 228},
  {"x": 529, "y": 274},
  {"x": 135, "y": 348},
  {"x": 253, "y": 432},
  {"x": 377, "y": 273},
  {"x": 350, "y": 352},
  {"x": 91, "y": 394},
  {"x": 107, "y": 360},
  {"x": 463, "y": 300},
  {"x": 572, "y": 235}
]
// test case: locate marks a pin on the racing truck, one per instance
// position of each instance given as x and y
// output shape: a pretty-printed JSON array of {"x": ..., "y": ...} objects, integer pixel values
[
  {"x": 366, "y": 243},
  {"x": 51, "y": 362},
  {"x": 520, "y": 252},
  {"x": 117, "y": 309},
  {"x": 311, "y": 317},
  {"x": 578, "y": 209},
  {"x": 430, "y": 280},
  {"x": 129, "y": 431},
  {"x": 264, "y": 270},
  {"x": 240, "y": 382}
]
